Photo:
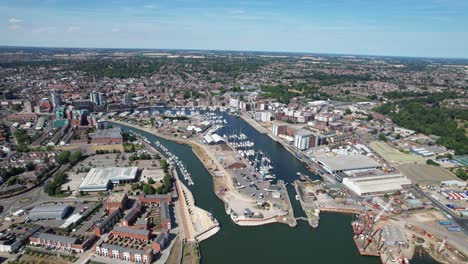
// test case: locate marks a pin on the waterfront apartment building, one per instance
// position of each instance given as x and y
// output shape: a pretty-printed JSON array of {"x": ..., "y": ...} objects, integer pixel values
[
  {"x": 107, "y": 136},
  {"x": 304, "y": 139}
]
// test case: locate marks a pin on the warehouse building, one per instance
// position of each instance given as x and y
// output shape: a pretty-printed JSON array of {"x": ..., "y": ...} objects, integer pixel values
[
  {"x": 57, "y": 212},
  {"x": 107, "y": 136},
  {"x": 348, "y": 163},
  {"x": 375, "y": 185},
  {"x": 100, "y": 179}
]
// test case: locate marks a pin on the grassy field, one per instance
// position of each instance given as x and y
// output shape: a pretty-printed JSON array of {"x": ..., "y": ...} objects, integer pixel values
[
  {"x": 426, "y": 174},
  {"x": 393, "y": 155},
  {"x": 173, "y": 257}
]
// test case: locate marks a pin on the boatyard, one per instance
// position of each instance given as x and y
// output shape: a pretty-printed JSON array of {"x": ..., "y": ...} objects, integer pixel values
[{"x": 244, "y": 178}]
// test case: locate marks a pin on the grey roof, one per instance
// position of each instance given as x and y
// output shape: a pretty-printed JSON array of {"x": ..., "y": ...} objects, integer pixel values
[
  {"x": 52, "y": 237},
  {"x": 131, "y": 214},
  {"x": 49, "y": 209},
  {"x": 157, "y": 196},
  {"x": 304, "y": 132},
  {"x": 109, "y": 218},
  {"x": 108, "y": 133},
  {"x": 161, "y": 239},
  {"x": 131, "y": 230},
  {"x": 30, "y": 232},
  {"x": 141, "y": 222},
  {"x": 349, "y": 162},
  {"x": 165, "y": 212}
]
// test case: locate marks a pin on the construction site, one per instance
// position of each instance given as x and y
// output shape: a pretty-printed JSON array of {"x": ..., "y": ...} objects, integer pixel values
[{"x": 395, "y": 242}]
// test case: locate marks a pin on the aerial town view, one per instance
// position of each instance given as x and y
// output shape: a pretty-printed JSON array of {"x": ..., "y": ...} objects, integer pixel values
[{"x": 118, "y": 148}]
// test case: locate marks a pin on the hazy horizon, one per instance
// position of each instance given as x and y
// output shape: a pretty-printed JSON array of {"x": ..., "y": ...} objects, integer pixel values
[{"x": 415, "y": 28}]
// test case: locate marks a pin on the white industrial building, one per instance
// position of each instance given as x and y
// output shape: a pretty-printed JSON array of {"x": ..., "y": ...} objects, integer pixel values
[
  {"x": 375, "y": 185},
  {"x": 213, "y": 139},
  {"x": 348, "y": 163},
  {"x": 100, "y": 179}
]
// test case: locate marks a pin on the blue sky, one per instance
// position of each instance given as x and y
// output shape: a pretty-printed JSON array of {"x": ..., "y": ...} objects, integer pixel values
[{"x": 434, "y": 28}]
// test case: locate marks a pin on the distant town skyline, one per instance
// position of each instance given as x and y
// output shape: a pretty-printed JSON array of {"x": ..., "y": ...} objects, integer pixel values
[{"x": 435, "y": 28}]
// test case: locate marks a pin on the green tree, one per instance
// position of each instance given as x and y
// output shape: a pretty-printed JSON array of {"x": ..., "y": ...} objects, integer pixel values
[
  {"x": 30, "y": 166},
  {"x": 382, "y": 137},
  {"x": 135, "y": 186},
  {"x": 164, "y": 165},
  {"x": 348, "y": 111},
  {"x": 75, "y": 157},
  {"x": 12, "y": 180},
  {"x": 461, "y": 174},
  {"x": 150, "y": 181},
  {"x": 148, "y": 189},
  {"x": 63, "y": 157},
  {"x": 431, "y": 162}
]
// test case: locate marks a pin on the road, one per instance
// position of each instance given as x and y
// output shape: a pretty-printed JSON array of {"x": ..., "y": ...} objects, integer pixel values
[
  {"x": 35, "y": 196},
  {"x": 461, "y": 221}
]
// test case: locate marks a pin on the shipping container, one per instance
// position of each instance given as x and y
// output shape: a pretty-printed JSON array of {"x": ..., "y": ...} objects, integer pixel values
[{"x": 445, "y": 222}]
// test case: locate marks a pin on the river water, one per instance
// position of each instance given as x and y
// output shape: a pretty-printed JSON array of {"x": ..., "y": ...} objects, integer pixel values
[{"x": 331, "y": 242}]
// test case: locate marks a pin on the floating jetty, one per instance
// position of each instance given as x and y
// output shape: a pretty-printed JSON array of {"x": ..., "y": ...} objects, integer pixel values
[
  {"x": 174, "y": 160},
  {"x": 171, "y": 158}
]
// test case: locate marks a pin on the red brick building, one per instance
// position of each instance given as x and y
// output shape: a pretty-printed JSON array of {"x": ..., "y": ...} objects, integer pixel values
[
  {"x": 116, "y": 201},
  {"x": 62, "y": 242},
  {"x": 107, "y": 136},
  {"x": 108, "y": 223},
  {"x": 155, "y": 198},
  {"x": 129, "y": 232}
]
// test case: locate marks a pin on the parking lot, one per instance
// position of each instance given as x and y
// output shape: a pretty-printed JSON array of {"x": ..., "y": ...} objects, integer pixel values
[{"x": 76, "y": 209}]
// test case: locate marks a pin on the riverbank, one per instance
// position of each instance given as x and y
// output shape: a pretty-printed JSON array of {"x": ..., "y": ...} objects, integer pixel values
[
  {"x": 223, "y": 180},
  {"x": 235, "y": 202}
]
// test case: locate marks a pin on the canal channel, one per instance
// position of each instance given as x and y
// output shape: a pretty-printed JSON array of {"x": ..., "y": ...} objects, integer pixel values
[{"x": 331, "y": 242}]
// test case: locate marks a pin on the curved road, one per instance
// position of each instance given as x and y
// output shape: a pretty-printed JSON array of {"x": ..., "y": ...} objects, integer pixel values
[{"x": 461, "y": 221}]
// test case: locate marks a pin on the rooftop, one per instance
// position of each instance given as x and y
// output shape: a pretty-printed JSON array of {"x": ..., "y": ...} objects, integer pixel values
[
  {"x": 131, "y": 230},
  {"x": 98, "y": 178},
  {"x": 49, "y": 208},
  {"x": 108, "y": 133},
  {"x": 52, "y": 237},
  {"x": 116, "y": 197},
  {"x": 348, "y": 162}
]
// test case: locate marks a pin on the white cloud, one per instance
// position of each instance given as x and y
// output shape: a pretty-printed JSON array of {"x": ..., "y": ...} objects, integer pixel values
[
  {"x": 14, "y": 27},
  {"x": 14, "y": 20},
  {"x": 150, "y": 6},
  {"x": 73, "y": 29},
  {"x": 44, "y": 30},
  {"x": 236, "y": 11}
]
